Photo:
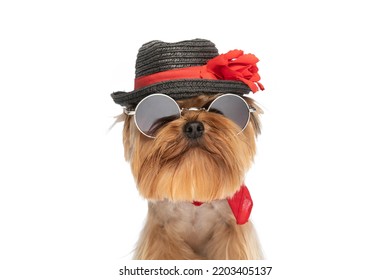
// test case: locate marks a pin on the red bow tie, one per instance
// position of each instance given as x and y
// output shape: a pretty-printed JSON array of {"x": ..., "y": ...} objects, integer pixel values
[{"x": 241, "y": 204}]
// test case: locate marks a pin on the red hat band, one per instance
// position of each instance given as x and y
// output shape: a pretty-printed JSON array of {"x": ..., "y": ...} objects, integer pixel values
[{"x": 234, "y": 65}]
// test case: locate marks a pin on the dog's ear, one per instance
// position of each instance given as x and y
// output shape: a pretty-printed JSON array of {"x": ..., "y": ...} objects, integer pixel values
[
  {"x": 255, "y": 117},
  {"x": 127, "y": 136}
]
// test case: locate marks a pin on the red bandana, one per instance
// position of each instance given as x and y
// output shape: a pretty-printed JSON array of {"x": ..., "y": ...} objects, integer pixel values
[{"x": 241, "y": 204}]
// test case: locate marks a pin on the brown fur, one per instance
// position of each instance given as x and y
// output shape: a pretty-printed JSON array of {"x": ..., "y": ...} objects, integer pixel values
[{"x": 172, "y": 171}]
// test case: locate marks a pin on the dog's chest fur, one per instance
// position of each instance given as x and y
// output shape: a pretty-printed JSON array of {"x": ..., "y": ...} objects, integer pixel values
[{"x": 193, "y": 224}]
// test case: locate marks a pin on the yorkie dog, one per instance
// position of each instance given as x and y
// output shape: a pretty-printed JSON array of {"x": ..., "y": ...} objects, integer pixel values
[{"x": 190, "y": 140}]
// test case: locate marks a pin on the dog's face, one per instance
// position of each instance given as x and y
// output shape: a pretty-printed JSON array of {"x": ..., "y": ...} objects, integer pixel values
[{"x": 201, "y": 156}]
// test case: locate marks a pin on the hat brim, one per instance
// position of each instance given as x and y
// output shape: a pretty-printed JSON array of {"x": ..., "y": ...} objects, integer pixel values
[{"x": 180, "y": 89}]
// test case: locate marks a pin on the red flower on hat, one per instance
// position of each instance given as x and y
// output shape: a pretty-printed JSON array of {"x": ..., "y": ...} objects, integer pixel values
[{"x": 235, "y": 65}]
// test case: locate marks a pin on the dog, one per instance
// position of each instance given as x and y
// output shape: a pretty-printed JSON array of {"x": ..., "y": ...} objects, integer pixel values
[{"x": 190, "y": 162}]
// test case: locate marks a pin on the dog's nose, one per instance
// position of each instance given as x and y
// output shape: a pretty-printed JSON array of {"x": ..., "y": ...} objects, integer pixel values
[{"x": 193, "y": 129}]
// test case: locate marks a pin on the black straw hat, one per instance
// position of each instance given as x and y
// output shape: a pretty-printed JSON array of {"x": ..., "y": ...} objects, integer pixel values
[{"x": 163, "y": 67}]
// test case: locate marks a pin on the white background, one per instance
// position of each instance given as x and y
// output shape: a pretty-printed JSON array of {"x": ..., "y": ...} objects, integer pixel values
[{"x": 68, "y": 206}]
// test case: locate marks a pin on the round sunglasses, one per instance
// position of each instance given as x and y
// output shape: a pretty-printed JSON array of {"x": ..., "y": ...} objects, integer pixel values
[{"x": 156, "y": 110}]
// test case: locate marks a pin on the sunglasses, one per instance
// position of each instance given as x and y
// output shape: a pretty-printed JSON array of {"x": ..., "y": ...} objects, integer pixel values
[{"x": 156, "y": 110}]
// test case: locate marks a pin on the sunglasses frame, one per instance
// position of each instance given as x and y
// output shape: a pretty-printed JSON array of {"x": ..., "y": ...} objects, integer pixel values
[{"x": 180, "y": 110}]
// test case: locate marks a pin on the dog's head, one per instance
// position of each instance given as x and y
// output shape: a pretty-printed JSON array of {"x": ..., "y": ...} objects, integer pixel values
[
  {"x": 201, "y": 155},
  {"x": 201, "y": 149}
]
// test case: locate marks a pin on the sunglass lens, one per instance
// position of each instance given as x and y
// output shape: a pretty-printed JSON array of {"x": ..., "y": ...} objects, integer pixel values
[
  {"x": 154, "y": 111},
  {"x": 232, "y": 107}
]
